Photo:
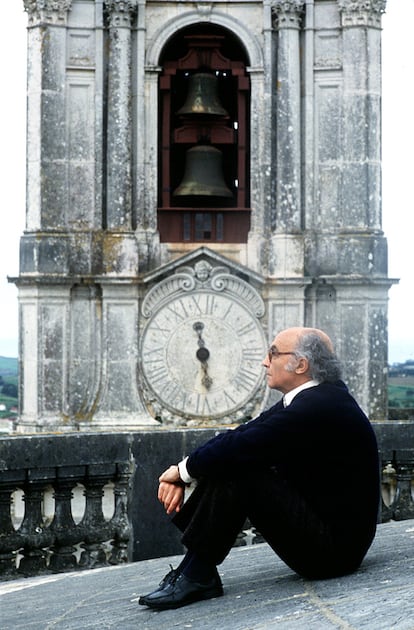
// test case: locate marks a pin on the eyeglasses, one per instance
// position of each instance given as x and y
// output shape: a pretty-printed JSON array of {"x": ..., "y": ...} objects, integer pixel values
[{"x": 274, "y": 352}]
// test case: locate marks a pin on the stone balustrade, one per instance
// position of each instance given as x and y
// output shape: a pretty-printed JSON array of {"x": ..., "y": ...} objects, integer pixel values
[
  {"x": 127, "y": 465},
  {"x": 43, "y": 465}
]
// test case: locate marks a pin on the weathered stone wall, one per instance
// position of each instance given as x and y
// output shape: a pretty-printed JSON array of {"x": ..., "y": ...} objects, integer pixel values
[{"x": 91, "y": 245}]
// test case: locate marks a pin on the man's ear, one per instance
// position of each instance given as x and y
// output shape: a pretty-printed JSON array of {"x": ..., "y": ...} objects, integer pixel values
[{"x": 302, "y": 366}]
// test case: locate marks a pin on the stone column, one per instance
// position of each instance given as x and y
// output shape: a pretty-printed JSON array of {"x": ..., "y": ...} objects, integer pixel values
[
  {"x": 286, "y": 257},
  {"x": 287, "y": 20},
  {"x": 361, "y": 33},
  {"x": 118, "y": 205},
  {"x": 46, "y": 134}
]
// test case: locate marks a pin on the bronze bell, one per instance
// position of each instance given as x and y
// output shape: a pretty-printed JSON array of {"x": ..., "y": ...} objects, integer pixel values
[
  {"x": 203, "y": 174},
  {"x": 202, "y": 96}
]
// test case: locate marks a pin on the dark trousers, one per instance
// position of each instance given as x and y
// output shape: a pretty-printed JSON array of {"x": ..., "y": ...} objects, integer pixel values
[{"x": 215, "y": 512}]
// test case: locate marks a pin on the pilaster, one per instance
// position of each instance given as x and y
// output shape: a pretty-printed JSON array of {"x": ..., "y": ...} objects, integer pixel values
[
  {"x": 145, "y": 191},
  {"x": 287, "y": 254},
  {"x": 148, "y": 185},
  {"x": 260, "y": 168},
  {"x": 46, "y": 134},
  {"x": 361, "y": 23},
  {"x": 287, "y": 17},
  {"x": 120, "y": 15}
]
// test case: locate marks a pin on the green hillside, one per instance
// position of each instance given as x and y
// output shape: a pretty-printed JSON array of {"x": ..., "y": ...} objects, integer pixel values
[
  {"x": 401, "y": 391},
  {"x": 8, "y": 366},
  {"x": 8, "y": 385}
]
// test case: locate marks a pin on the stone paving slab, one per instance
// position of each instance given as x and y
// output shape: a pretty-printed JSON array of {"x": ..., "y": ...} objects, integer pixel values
[{"x": 261, "y": 593}]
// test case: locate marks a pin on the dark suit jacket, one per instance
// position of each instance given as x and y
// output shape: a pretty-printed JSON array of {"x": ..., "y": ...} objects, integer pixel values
[{"x": 322, "y": 444}]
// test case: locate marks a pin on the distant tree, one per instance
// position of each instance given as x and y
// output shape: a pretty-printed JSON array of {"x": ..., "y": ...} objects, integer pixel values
[
  {"x": 9, "y": 389},
  {"x": 1, "y": 381}
]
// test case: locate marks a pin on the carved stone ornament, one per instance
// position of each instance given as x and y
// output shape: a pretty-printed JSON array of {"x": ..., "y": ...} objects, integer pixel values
[
  {"x": 120, "y": 12},
  {"x": 204, "y": 9},
  {"x": 49, "y": 11},
  {"x": 362, "y": 12},
  {"x": 202, "y": 347},
  {"x": 202, "y": 276},
  {"x": 287, "y": 13}
]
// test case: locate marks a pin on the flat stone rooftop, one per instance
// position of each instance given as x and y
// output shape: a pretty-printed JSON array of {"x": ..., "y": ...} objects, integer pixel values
[{"x": 261, "y": 592}]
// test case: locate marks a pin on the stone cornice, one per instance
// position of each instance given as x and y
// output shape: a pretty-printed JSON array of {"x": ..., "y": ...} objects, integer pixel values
[
  {"x": 362, "y": 12},
  {"x": 120, "y": 12},
  {"x": 287, "y": 13},
  {"x": 47, "y": 11}
]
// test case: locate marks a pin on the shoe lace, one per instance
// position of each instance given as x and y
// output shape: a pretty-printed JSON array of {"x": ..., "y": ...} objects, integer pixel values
[
  {"x": 174, "y": 573},
  {"x": 171, "y": 576}
]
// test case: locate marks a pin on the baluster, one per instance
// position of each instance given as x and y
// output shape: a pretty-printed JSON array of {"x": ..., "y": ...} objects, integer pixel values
[
  {"x": 387, "y": 477},
  {"x": 120, "y": 521},
  {"x": 10, "y": 540},
  {"x": 35, "y": 536},
  {"x": 93, "y": 525},
  {"x": 403, "y": 505},
  {"x": 64, "y": 528},
  {"x": 242, "y": 538},
  {"x": 257, "y": 537}
]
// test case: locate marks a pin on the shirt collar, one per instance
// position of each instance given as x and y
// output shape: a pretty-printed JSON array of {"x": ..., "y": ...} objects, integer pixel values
[{"x": 287, "y": 398}]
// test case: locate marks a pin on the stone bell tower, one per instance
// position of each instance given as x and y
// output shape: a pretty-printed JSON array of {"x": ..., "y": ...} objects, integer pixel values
[{"x": 200, "y": 175}]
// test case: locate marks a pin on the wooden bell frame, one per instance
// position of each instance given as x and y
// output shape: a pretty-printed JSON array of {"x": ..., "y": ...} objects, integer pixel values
[{"x": 205, "y": 218}]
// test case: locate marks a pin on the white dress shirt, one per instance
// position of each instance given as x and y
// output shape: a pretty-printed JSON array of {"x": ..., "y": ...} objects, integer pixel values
[{"x": 287, "y": 398}]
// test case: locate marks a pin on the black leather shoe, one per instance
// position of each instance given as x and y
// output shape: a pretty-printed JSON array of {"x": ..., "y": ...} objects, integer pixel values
[
  {"x": 166, "y": 580},
  {"x": 181, "y": 591}
]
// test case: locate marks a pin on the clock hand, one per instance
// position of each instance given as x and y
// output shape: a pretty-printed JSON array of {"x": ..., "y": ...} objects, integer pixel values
[{"x": 203, "y": 355}]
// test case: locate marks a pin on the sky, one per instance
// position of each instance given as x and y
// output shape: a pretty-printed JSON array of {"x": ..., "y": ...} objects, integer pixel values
[{"x": 397, "y": 171}]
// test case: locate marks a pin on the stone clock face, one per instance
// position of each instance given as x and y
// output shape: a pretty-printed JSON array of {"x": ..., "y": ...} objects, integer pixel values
[{"x": 202, "y": 354}]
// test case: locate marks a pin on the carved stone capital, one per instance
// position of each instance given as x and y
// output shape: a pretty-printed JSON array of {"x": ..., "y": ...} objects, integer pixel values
[
  {"x": 287, "y": 13},
  {"x": 362, "y": 12},
  {"x": 120, "y": 12},
  {"x": 47, "y": 11}
]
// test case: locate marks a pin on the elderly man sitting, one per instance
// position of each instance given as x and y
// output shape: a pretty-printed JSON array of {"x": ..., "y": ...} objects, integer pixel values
[{"x": 305, "y": 472}]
